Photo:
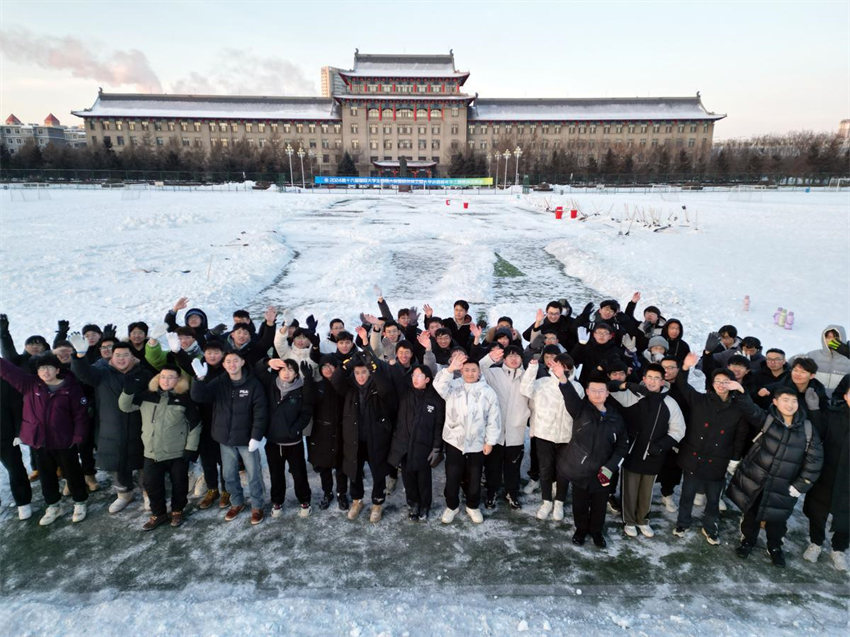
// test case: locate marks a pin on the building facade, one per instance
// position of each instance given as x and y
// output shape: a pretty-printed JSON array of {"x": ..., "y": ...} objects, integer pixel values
[
  {"x": 14, "y": 134},
  {"x": 413, "y": 106}
]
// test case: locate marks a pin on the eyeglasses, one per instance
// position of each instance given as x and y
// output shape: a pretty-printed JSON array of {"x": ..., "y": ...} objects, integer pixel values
[
  {"x": 775, "y": 360},
  {"x": 106, "y": 348}
]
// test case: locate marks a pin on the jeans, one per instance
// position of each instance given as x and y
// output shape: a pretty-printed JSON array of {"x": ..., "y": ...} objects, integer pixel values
[
  {"x": 692, "y": 485},
  {"x": 254, "y": 468}
]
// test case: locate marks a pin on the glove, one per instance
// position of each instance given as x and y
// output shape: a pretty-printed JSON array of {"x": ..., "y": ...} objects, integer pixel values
[
  {"x": 732, "y": 466},
  {"x": 109, "y": 330},
  {"x": 16, "y": 442},
  {"x": 812, "y": 400},
  {"x": 312, "y": 323},
  {"x": 218, "y": 329},
  {"x": 413, "y": 316},
  {"x": 254, "y": 445},
  {"x": 306, "y": 370},
  {"x": 604, "y": 476},
  {"x": 4, "y": 323},
  {"x": 583, "y": 335},
  {"x": 586, "y": 311},
  {"x": 614, "y": 385},
  {"x": 834, "y": 344},
  {"x": 630, "y": 343},
  {"x": 377, "y": 290},
  {"x": 64, "y": 326},
  {"x": 435, "y": 457},
  {"x": 793, "y": 492},
  {"x": 712, "y": 342},
  {"x": 200, "y": 368},
  {"x": 173, "y": 341},
  {"x": 158, "y": 331},
  {"x": 190, "y": 456},
  {"x": 78, "y": 342},
  {"x": 132, "y": 384},
  {"x": 287, "y": 317}
]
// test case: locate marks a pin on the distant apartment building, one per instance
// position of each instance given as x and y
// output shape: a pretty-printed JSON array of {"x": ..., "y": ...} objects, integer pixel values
[
  {"x": 14, "y": 134},
  {"x": 388, "y": 107}
]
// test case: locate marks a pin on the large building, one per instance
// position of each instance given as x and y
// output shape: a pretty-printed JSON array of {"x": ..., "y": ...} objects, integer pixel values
[
  {"x": 14, "y": 134},
  {"x": 413, "y": 106}
]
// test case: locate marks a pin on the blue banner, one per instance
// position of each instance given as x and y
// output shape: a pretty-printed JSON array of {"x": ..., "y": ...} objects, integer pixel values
[{"x": 402, "y": 181}]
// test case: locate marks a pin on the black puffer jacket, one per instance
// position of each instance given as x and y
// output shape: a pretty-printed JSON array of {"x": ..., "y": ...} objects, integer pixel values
[
  {"x": 419, "y": 428},
  {"x": 676, "y": 347},
  {"x": 324, "y": 446},
  {"x": 594, "y": 357},
  {"x": 716, "y": 430},
  {"x": 288, "y": 416},
  {"x": 779, "y": 459},
  {"x": 831, "y": 492},
  {"x": 240, "y": 410},
  {"x": 598, "y": 440}
]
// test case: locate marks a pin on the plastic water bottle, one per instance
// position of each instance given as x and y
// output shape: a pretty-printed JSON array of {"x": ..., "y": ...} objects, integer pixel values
[
  {"x": 747, "y": 303},
  {"x": 782, "y": 317},
  {"x": 776, "y": 315},
  {"x": 789, "y": 321}
]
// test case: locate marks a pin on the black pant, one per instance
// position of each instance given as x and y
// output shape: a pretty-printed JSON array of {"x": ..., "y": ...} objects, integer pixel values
[
  {"x": 589, "y": 509},
  {"x": 293, "y": 455},
  {"x": 463, "y": 468},
  {"x": 510, "y": 467},
  {"x": 48, "y": 461},
  {"x": 750, "y": 526},
  {"x": 534, "y": 462},
  {"x": 378, "y": 468},
  {"x": 326, "y": 475},
  {"x": 417, "y": 486},
  {"x": 19, "y": 482},
  {"x": 493, "y": 470},
  {"x": 210, "y": 453},
  {"x": 817, "y": 527},
  {"x": 671, "y": 473},
  {"x": 553, "y": 459},
  {"x": 154, "y": 480},
  {"x": 86, "y": 451}
]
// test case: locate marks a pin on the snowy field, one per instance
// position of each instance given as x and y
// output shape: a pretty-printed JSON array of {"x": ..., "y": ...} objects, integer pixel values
[{"x": 120, "y": 256}]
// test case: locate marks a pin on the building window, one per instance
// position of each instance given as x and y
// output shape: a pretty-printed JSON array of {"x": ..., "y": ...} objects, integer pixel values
[
  {"x": 373, "y": 145},
  {"x": 520, "y": 130},
  {"x": 404, "y": 113},
  {"x": 470, "y": 130},
  {"x": 212, "y": 127},
  {"x": 353, "y": 111},
  {"x": 693, "y": 128},
  {"x": 355, "y": 144},
  {"x": 656, "y": 128},
  {"x": 643, "y": 142},
  {"x": 421, "y": 88},
  {"x": 337, "y": 128},
  {"x": 654, "y": 143},
  {"x": 405, "y": 144},
  {"x": 373, "y": 88},
  {"x": 507, "y": 129},
  {"x": 186, "y": 142},
  {"x": 171, "y": 126},
  {"x": 606, "y": 130},
  {"x": 326, "y": 144},
  {"x": 299, "y": 128},
  {"x": 131, "y": 125},
  {"x": 132, "y": 141},
  {"x": 388, "y": 144},
  {"x": 619, "y": 129},
  {"x": 311, "y": 128},
  {"x": 681, "y": 128},
  {"x": 705, "y": 127},
  {"x": 668, "y": 129},
  {"x": 326, "y": 159},
  {"x": 593, "y": 130},
  {"x": 423, "y": 144},
  {"x": 324, "y": 128},
  {"x": 454, "y": 129},
  {"x": 93, "y": 140},
  {"x": 692, "y": 142},
  {"x": 388, "y": 130},
  {"x": 470, "y": 144},
  {"x": 582, "y": 130},
  {"x": 222, "y": 127},
  {"x": 91, "y": 124},
  {"x": 312, "y": 143},
  {"x": 249, "y": 127},
  {"x": 274, "y": 126},
  {"x": 631, "y": 129},
  {"x": 435, "y": 130},
  {"x": 435, "y": 144},
  {"x": 482, "y": 145},
  {"x": 482, "y": 130},
  {"x": 436, "y": 112},
  {"x": 373, "y": 129},
  {"x": 373, "y": 113},
  {"x": 455, "y": 111},
  {"x": 119, "y": 140},
  {"x": 337, "y": 144},
  {"x": 572, "y": 130},
  {"x": 157, "y": 125},
  {"x": 119, "y": 125}
]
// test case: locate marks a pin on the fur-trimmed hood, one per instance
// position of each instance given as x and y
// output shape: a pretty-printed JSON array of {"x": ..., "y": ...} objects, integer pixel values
[{"x": 182, "y": 386}]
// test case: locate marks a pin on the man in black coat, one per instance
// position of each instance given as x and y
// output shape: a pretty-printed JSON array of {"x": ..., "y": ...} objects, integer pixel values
[
  {"x": 716, "y": 434},
  {"x": 556, "y": 319},
  {"x": 773, "y": 370},
  {"x": 596, "y": 354},
  {"x": 324, "y": 445}
]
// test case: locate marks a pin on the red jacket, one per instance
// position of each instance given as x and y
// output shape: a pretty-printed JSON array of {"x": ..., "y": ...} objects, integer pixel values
[{"x": 51, "y": 419}]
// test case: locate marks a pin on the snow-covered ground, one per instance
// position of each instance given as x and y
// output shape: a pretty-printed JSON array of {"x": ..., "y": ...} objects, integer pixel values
[{"x": 121, "y": 256}]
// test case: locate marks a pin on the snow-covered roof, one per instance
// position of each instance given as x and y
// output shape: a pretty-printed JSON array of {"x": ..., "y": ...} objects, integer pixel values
[
  {"x": 211, "y": 107},
  {"x": 617, "y": 108},
  {"x": 406, "y": 97},
  {"x": 438, "y": 66}
]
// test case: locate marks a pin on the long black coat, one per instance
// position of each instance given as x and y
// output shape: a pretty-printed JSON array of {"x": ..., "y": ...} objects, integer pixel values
[
  {"x": 648, "y": 423},
  {"x": 779, "y": 459},
  {"x": 831, "y": 491},
  {"x": 419, "y": 428},
  {"x": 240, "y": 411},
  {"x": 716, "y": 430},
  {"x": 375, "y": 427},
  {"x": 324, "y": 446},
  {"x": 594, "y": 357},
  {"x": 290, "y": 416},
  {"x": 598, "y": 440},
  {"x": 119, "y": 438}
]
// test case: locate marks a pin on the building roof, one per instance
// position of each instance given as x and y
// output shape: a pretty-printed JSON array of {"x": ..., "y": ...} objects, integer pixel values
[
  {"x": 395, "y": 163},
  {"x": 591, "y": 109},
  {"x": 12, "y": 120},
  {"x": 51, "y": 120},
  {"x": 406, "y": 97},
  {"x": 133, "y": 105},
  {"x": 413, "y": 66}
]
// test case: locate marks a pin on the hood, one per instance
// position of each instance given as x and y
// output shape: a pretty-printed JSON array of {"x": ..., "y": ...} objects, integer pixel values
[
  {"x": 203, "y": 327},
  {"x": 842, "y": 336},
  {"x": 666, "y": 334},
  {"x": 181, "y": 387}
]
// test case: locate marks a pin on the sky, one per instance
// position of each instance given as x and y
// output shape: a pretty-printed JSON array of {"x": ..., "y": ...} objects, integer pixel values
[{"x": 771, "y": 67}]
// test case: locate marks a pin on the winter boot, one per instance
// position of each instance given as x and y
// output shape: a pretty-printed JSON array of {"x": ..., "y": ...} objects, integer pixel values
[
  {"x": 224, "y": 501},
  {"x": 80, "y": 511},
  {"x": 25, "y": 512},
  {"x": 531, "y": 487},
  {"x": 176, "y": 518},
  {"x": 154, "y": 521},
  {"x": 558, "y": 511},
  {"x": 209, "y": 497},
  {"x": 812, "y": 553},
  {"x": 669, "y": 504},
  {"x": 124, "y": 498},
  {"x": 475, "y": 515},
  {"x": 342, "y": 501},
  {"x": 51, "y": 514},
  {"x": 326, "y": 501},
  {"x": 513, "y": 502},
  {"x": 356, "y": 507},
  {"x": 257, "y": 516},
  {"x": 376, "y": 513},
  {"x": 277, "y": 511},
  {"x": 449, "y": 515},
  {"x": 839, "y": 560},
  {"x": 777, "y": 557},
  {"x": 544, "y": 510},
  {"x": 91, "y": 483},
  {"x": 744, "y": 549}
]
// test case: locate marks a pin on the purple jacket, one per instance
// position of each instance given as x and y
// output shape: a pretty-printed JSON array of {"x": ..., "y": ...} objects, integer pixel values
[{"x": 51, "y": 420}]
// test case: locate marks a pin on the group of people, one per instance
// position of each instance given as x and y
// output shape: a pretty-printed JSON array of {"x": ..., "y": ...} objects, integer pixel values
[{"x": 601, "y": 399}]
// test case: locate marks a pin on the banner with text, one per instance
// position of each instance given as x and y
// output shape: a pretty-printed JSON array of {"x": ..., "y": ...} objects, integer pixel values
[{"x": 462, "y": 182}]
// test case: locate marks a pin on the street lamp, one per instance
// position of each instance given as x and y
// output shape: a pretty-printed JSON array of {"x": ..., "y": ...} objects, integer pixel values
[
  {"x": 301, "y": 154},
  {"x": 312, "y": 155},
  {"x": 497, "y": 156},
  {"x": 288, "y": 150},
  {"x": 489, "y": 158},
  {"x": 517, "y": 154},
  {"x": 507, "y": 156}
]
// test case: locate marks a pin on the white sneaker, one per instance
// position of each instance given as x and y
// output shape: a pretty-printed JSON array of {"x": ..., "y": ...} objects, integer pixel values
[
  {"x": 721, "y": 506},
  {"x": 646, "y": 530},
  {"x": 79, "y": 512},
  {"x": 50, "y": 515},
  {"x": 277, "y": 510},
  {"x": 812, "y": 553},
  {"x": 304, "y": 511},
  {"x": 669, "y": 504},
  {"x": 475, "y": 515},
  {"x": 699, "y": 500},
  {"x": 200, "y": 487},
  {"x": 531, "y": 487},
  {"x": 544, "y": 510},
  {"x": 630, "y": 530},
  {"x": 558, "y": 511},
  {"x": 147, "y": 501},
  {"x": 25, "y": 512},
  {"x": 392, "y": 483},
  {"x": 839, "y": 560},
  {"x": 124, "y": 498},
  {"x": 449, "y": 515}
]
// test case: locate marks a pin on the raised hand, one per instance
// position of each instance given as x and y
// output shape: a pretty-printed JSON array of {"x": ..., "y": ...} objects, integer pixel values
[
  {"x": 429, "y": 311},
  {"x": 557, "y": 370},
  {"x": 312, "y": 323},
  {"x": 200, "y": 368},
  {"x": 158, "y": 331},
  {"x": 361, "y": 332},
  {"x": 371, "y": 319},
  {"x": 173, "y": 341},
  {"x": 306, "y": 370},
  {"x": 413, "y": 315},
  {"x": 457, "y": 361},
  {"x": 63, "y": 326},
  {"x": 270, "y": 315},
  {"x": 538, "y": 320},
  {"x": 630, "y": 343},
  {"x": 712, "y": 341},
  {"x": 475, "y": 331},
  {"x": 691, "y": 359},
  {"x": 287, "y": 317},
  {"x": 583, "y": 335},
  {"x": 497, "y": 354},
  {"x": 276, "y": 364},
  {"x": 635, "y": 297},
  {"x": 424, "y": 339},
  {"x": 181, "y": 304},
  {"x": 377, "y": 290},
  {"x": 78, "y": 342},
  {"x": 4, "y": 322}
]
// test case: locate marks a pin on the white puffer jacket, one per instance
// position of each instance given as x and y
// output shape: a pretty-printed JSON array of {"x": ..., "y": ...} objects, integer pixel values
[
  {"x": 473, "y": 418},
  {"x": 285, "y": 350},
  {"x": 514, "y": 406},
  {"x": 549, "y": 417}
]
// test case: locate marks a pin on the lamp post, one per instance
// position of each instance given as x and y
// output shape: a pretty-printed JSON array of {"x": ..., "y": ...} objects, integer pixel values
[
  {"x": 497, "y": 156},
  {"x": 312, "y": 158},
  {"x": 288, "y": 150},
  {"x": 507, "y": 156},
  {"x": 489, "y": 158},
  {"x": 301, "y": 154},
  {"x": 517, "y": 154}
]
